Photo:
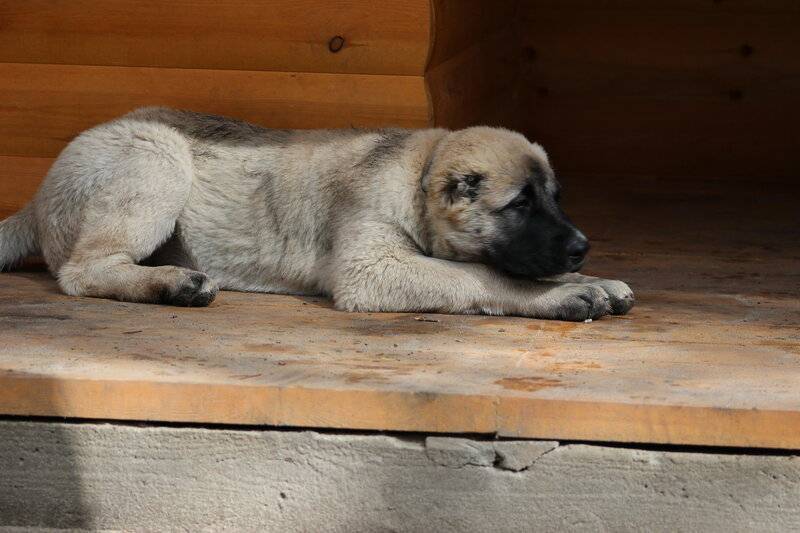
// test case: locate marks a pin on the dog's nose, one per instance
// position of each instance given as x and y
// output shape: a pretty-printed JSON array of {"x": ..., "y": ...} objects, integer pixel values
[{"x": 577, "y": 249}]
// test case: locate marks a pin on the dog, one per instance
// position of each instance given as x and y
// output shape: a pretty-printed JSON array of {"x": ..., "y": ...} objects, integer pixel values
[{"x": 167, "y": 206}]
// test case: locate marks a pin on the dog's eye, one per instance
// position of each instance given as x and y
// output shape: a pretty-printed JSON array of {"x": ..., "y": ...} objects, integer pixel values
[
  {"x": 472, "y": 179},
  {"x": 523, "y": 199},
  {"x": 520, "y": 202}
]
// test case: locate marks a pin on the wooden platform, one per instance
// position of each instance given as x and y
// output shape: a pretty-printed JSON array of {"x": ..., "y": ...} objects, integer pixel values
[{"x": 710, "y": 355}]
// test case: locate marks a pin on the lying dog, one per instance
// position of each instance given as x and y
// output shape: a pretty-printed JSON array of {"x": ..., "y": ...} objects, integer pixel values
[{"x": 166, "y": 206}]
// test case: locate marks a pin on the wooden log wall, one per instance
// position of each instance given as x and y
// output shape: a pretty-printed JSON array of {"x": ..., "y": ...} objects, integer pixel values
[{"x": 678, "y": 88}]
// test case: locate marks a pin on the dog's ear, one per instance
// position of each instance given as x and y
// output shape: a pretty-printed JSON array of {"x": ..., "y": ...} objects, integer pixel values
[{"x": 462, "y": 187}]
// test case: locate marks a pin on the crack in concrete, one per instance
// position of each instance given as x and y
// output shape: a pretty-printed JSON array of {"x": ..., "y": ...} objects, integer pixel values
[
  {"x": 507, "y": 455},
  {"x": 520, "y": 455}
]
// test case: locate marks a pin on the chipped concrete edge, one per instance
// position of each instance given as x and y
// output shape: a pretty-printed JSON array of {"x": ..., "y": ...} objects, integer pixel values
[{"x": 511, "y": 455}]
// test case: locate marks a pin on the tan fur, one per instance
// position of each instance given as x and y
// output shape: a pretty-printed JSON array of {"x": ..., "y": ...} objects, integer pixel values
[{"x": 167, "y": 206}]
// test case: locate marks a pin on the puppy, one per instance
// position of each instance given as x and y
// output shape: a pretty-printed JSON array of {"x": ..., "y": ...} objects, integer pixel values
[{"x": 167, "y": 206}]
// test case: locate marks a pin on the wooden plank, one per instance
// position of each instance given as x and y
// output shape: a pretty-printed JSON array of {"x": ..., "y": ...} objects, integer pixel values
[
  {"x": 709, "y": 356},
  {"x": 19, "y": 179},
  {"x": 269, "y": 360},
  {"x": 660, "y": 89},
  {"x": 281, "y": 35},
  {"x": 239, "y": 403},
  {"x": 53, "y": 103},
  {"x": 478, "y": 81},
  {"x": 461, "y": 24}
]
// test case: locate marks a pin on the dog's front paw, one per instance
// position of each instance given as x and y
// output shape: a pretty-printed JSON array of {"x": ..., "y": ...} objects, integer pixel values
[
  {"x": 578, "y": 303},
  {"x": 620, "y": 295},
  {"x": 191, "y": 289}
]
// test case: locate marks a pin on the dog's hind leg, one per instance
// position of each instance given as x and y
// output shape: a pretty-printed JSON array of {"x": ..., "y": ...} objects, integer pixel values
[
  {"x": 135, "y": 200},
  {"x": 104, "y": 266}
]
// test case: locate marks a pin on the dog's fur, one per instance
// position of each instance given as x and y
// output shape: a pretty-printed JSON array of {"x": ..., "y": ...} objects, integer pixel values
[{"x": 166, "y": 206}]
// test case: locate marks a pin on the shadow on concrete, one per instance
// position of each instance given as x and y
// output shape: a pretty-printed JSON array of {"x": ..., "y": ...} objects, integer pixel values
[{"x": 40, "y": 464}]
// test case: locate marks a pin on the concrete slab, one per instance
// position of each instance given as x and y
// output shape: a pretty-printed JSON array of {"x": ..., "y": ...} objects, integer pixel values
[{"x": 91, "y": 476}]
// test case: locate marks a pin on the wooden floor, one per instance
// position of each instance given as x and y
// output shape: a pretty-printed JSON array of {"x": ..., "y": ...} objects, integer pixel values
[{"x": 710, "y": 354}]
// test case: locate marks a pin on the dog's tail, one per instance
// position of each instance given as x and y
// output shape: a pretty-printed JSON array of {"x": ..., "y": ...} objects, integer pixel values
[{"x": 18, "y": 238}]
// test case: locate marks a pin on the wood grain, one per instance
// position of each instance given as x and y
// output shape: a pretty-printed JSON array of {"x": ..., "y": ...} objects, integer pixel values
[
  {"x": 280, "y": 35},
  {"x": 19, "y": 179},
  {"x": 474, "y": 74},
  {"x": 710, "y": 355},
  {"x": 461, "y": 24},
  {"x": 53, "y": 103},
  {"x": 680, "y": 89}
]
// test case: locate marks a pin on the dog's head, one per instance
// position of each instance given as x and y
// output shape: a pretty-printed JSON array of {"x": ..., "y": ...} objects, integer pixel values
[{"x": 492, "y": 198}]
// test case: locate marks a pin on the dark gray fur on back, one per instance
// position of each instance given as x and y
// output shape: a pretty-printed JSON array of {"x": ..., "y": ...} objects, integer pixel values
[
  {"x": 388, "y": 145},
  {"x": 214, "y": 129}
]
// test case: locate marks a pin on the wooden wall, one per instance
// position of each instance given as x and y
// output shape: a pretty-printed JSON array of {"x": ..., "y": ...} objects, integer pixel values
[
  {"x": 66, "y": 65},
  {"x": 678, "y": 88}
]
